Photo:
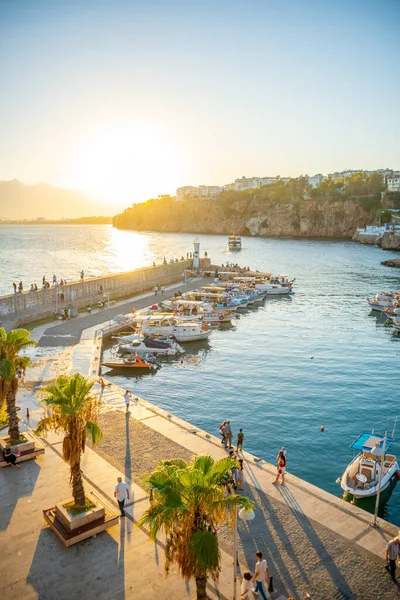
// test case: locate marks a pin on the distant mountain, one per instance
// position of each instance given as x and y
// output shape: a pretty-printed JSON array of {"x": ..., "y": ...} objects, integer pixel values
[{"x": 21, "y": 201}]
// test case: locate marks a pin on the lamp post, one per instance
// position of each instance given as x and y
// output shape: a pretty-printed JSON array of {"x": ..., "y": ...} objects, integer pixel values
[
  {"x": 245, "y": 515},
  {"x": 378, "y": 451}
]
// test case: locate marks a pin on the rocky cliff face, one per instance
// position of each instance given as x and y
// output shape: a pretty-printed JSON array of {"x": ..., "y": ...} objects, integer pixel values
[{"x": 304, "y": 218}]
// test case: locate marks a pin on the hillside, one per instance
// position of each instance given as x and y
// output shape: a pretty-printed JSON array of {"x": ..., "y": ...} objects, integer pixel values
[
  {"x": 333, "y": 209},
  {"x": 21, "y": 201}
]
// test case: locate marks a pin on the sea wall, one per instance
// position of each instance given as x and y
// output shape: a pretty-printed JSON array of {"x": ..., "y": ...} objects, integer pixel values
[
  {"x": 390, "y": 241},
  {"x": 32, "y": 306}
]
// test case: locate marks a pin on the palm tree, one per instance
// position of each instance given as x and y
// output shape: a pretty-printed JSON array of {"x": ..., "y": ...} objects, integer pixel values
[
  {"x": 12, "y": 369},
  {"x": 71, "y": 408},
  {"x": 189, "y": 502}
]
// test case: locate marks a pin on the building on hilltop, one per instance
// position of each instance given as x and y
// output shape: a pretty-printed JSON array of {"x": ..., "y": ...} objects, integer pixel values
[
  {"x": 393, "y": 185},
  {"x": 315, "y": 180},
  {"x": 202, "y": 192}
]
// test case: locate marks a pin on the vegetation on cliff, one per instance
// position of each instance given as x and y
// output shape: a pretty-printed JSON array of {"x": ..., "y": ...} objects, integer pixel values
[{"x": 334, "y": 208}]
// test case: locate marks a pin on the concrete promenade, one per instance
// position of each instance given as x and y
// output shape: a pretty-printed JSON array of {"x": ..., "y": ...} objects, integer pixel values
[{"x": 313, "y": 541}]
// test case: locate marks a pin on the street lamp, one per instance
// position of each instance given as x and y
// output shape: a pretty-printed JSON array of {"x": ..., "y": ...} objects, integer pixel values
[
  {"x": 244, "y": 515},
  {"x": 379, "y": 452}
]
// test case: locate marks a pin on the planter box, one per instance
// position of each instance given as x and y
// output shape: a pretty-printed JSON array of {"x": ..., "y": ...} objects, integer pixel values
[
  {"x": 23, "y": 447},
  {"x": 71, "y": 530},
  {"x": 72, "y": 522}
]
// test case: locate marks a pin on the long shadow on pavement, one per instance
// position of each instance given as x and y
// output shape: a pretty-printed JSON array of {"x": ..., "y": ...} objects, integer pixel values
[
  {"x": 16, "y": 484},
  {"x": 90, "y": 570}
]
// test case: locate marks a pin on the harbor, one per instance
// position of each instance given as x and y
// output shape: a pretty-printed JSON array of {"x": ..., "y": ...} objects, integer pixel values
[
  {"x": 314, "y": 542},
  {"x": 301, "y": 515}
]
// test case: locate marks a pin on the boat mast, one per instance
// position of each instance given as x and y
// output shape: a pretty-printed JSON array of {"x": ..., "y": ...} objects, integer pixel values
[
  {"x": 394, "y": 426},
  {"x": 374, "y": 523}
]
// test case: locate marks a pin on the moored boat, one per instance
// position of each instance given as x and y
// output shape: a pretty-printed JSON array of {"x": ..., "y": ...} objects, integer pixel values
[
  {"x": 363, "y": 475},
  {"x": 133, "y": 362}
]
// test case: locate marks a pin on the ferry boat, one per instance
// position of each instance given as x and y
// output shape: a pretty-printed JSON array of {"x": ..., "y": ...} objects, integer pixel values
[
  {"x": 362, "y": 475},
  {"x": 234, "y": 242}
]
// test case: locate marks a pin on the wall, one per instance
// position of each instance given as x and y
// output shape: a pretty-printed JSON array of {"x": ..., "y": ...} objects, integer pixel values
[{"x": 32, "y": 306}]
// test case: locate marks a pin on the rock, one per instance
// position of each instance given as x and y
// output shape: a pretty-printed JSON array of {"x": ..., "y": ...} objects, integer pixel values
[
  {"x": 390, "y": 241},
  {"x": 393, "y": 262}
]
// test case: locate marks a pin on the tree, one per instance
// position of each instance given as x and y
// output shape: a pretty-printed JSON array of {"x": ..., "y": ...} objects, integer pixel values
[
  {"x": 12, "y": 369},
  {"x": 189, "y": 502},
  {"x": 72, "y": 409}
]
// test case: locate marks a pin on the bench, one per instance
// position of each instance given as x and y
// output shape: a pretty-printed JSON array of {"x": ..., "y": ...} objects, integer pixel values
[{"x": 26, "y": 455}]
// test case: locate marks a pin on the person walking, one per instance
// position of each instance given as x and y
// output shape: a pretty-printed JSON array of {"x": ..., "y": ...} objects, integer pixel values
[
  {"x": 245, "y": 587},
  {"x": 127, "y": 397},
  {"x": 392, "y": 555},
  {"x": 234, "y": 470},
  {"x": 121, "y": 492},
  {"x": 222, "y": 432},
  {"x": 82, "y": 275},
  {"x": 15, "y": 287},
  {"x": 155, "y": 290},
  {"x": 281, "y": 468},
  {"x": 228, "y": 433},
  {"x": 240, "y": 440},
  {"x": 162, "y": 290},
  {"x": 240, "y": 475},
  {"x": 261, "y": 574}
]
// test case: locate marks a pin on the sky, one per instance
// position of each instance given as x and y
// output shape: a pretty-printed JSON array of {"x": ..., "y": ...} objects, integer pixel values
[{"x": 127, "y": 100}]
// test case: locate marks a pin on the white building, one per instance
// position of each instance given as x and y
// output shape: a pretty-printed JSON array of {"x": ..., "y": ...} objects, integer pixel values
[
  {"x": 248, "y": 183},
  {"x": 200, "y": 191},
  {"x": 393, "y": 185},
  {"x": 315, "y": 180}
]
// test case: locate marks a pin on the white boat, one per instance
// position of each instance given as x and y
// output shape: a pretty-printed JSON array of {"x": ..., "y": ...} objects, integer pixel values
[
  {"x": 169, "y": 326},
  {"x": 383, "y": 300},
  {"x": 234, "y": 242},
  {"x": 144, "y": 345},
  {"x": 192, "y": 309},
  {"x": 274, "y": 289},
  {"x": 361, "y": 477}
]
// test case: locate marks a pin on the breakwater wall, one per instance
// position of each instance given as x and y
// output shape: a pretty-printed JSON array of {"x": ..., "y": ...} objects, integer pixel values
[
  {"x": 20, "y": 309},
  {"x": 377, "y": 236}
]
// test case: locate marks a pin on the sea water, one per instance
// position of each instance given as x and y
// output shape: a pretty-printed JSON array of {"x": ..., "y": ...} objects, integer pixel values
[{"x": 287, "y": 367}]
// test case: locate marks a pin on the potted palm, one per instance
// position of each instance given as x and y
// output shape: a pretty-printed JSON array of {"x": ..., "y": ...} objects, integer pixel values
[
  {"x": 189, "y": 503},
  {"x": 12, "y": 370},
  {"x": 72, "y": 409}
]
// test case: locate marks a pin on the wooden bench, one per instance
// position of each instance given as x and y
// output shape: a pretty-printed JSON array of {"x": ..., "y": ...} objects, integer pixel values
[{"x": 26, "y": 455}]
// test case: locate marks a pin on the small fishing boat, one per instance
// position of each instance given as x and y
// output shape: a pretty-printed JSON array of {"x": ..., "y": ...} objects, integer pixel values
[
  {"x": 363, "y": 475},
  {"x": 133, "y": 362},
  {"x": 274, "y": 289}
]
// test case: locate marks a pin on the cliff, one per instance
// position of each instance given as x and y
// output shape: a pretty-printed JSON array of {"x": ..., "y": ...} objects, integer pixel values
[{"x": 305, "y": 218}]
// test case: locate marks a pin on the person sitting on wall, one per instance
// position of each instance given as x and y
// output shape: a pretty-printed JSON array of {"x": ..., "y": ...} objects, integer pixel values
[{"x": 89, "y": 309}]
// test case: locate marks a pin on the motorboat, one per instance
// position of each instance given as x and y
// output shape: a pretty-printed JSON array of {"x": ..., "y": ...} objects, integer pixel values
[
  {"x": 274, "y": 289},
  {"x": 234, "y": 242},
  {"x": 170, "y": 326},
  {"x": 383, "y": 300},
  {"x": 144, "y": 345},
  {"x": 192, "y": 309},
  {"x": 133, "y": 362},
  {"x": 362, "y": 475}
]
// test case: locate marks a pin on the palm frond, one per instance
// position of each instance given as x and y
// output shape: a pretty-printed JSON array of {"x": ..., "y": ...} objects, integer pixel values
[
  {"x": 94, "y": 431},
  {"x": 204, "y": 550}
]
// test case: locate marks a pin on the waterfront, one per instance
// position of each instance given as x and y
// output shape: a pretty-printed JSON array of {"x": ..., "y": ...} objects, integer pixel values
[{"x": 288, "y": 367}]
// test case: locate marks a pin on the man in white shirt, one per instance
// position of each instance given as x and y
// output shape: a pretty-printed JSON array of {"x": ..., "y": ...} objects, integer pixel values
[
  {"x": 261, "y": 574},
  {"x": 392, "y": 554},
  {"x": 120, "y": 493},
  {"x": 127, "y": 397}
]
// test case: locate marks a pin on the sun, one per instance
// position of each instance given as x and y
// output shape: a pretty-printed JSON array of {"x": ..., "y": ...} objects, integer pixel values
[{"x": 122, "y": 164}]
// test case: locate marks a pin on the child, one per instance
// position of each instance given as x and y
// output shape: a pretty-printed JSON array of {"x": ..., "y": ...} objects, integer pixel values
[
  {"x": 240, "y": 440},
  {"x": 246, "y": 585},
  {"x": 240, "y": 475}
]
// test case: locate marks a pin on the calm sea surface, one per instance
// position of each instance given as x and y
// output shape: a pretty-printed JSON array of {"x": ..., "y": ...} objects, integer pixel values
[{"x": 285, "y": 369}]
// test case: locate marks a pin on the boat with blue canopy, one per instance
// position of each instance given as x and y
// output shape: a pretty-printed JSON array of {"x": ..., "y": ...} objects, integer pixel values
[{"x": 372, "y": 467}]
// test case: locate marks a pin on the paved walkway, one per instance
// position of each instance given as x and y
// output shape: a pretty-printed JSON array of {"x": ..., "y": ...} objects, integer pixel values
[{"x": 68, "y": 333}]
